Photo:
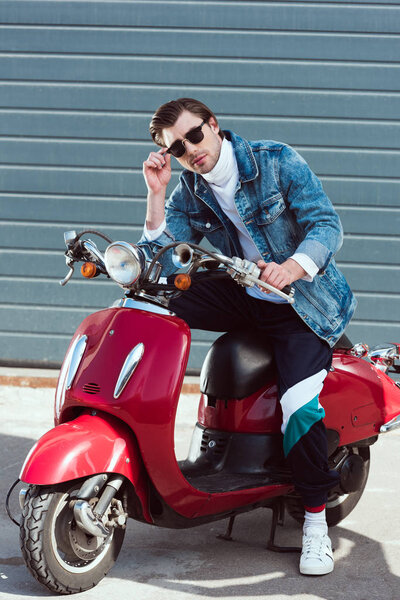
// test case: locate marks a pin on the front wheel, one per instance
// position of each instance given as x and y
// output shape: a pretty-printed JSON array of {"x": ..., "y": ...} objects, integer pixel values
[{"x": 56, "y": 551}]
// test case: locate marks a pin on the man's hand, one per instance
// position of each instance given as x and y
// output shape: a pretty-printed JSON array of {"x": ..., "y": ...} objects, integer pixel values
[
  {"x": 157, "y": 174},
  {"x": 280, "y": 275},
  {"x": 157, "y": 171}
]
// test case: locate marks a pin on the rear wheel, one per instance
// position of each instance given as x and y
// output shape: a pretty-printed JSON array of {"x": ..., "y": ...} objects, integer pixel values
[
  {"x": 58, "y": 553},
  {"x": 339, "y": 504}
]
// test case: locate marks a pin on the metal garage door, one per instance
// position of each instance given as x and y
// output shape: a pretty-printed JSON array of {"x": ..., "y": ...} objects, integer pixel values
[{"x": 79, "y": 81}]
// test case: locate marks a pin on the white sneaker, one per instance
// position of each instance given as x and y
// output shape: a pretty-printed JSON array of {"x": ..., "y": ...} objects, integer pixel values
[{"x": 316, "y": 556}]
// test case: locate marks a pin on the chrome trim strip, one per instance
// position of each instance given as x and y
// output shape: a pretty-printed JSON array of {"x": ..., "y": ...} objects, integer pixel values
[
  {"x": 129, "y": 366},
  {"x": 76, "y": 356},
  {"x": 390, "y": 425},
  {"x": 141, "y": 305}
]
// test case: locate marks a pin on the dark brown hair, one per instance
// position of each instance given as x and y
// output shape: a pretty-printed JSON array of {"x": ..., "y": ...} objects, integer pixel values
[{"x": 168, "y": 114}]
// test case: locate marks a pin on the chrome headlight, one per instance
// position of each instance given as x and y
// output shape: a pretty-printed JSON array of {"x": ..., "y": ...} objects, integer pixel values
[{"x": 124, "y": 263}]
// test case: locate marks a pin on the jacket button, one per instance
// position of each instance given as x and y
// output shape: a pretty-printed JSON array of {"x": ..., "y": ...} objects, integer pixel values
[{"x": 208, "y": 225}]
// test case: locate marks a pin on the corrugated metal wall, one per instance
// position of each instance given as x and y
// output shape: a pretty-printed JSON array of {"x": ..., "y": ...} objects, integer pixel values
[{"x": 79, "y": 82}]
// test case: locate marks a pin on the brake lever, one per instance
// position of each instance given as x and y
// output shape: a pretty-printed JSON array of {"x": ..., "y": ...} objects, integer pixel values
[
  {"x": 247, "y": 273},
  {"x": 70, "y": 264},
  {"x": 287, "y": 296}
]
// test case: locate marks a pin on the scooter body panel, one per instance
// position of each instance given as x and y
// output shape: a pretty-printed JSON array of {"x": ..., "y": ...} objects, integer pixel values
[
  {"x": 258, "y": 413},
  {"x": 358, "y": 398},
  {"x": 149, "y": 400}
]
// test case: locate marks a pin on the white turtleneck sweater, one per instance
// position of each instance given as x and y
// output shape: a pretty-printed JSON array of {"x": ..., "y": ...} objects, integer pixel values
[{"x": 223, "y": 179}]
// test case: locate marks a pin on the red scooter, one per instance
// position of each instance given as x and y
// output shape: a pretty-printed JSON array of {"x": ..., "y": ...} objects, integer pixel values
[{"x": 111, "y": 453}]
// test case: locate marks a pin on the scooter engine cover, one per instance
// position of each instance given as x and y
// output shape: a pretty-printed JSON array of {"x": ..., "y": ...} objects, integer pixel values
[{"x": 238, "y": 364}]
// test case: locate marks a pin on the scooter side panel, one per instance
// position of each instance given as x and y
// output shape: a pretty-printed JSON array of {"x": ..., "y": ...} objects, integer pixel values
[
  {"x": 258, "y": 413},
  {"x": 88, "y": 445},
  {"x": 358, "y": 399}
]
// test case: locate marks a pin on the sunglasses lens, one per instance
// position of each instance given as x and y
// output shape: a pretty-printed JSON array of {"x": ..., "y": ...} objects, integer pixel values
[
  {"x": 195, "y": 136},
  {"x": 177, "y": 149}
]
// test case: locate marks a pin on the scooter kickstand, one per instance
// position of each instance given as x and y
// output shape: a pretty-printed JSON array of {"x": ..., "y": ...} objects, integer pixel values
[
  {"x": 227, "y": 535},
  {"x": 278, "y": 512}
]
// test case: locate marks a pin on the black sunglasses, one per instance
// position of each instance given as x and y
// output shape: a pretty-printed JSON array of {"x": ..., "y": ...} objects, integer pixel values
[{"x": 194, "y": 136}]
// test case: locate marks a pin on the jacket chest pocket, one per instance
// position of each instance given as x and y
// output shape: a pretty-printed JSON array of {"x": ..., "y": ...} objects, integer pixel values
[
  {"x": 279, "y": 232},
  {"x": 270, "y": 209}
]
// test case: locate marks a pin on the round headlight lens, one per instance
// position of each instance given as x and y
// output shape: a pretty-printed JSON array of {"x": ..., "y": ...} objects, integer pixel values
[{"x": 122, "y": 263}]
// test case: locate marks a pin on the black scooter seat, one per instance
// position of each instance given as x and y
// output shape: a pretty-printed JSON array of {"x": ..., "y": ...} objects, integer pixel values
[{"x": 241, "y": 362}]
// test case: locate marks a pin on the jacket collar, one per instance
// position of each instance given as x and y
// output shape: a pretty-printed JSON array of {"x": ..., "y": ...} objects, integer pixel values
[{"x": 247, "y": 165}]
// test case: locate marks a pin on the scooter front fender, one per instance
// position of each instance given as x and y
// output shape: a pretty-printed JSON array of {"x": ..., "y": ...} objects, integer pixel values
[{"x": 87, "y": 445}]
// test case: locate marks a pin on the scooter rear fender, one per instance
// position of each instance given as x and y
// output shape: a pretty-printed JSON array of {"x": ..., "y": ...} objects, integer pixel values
[{"x": 88, "y": 445}]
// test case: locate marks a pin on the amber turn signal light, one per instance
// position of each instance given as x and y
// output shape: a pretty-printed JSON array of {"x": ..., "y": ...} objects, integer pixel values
[
  {"x": 88, "y": 270},
  {"x": 183, "y": 281}
]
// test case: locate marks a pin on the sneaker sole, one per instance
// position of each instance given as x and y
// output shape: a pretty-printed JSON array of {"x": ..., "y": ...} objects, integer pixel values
[{"x": 323, "y": 571}]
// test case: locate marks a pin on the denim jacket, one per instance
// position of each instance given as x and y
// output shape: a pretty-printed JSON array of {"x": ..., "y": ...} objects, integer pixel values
[{"x": 285, "y": 210}]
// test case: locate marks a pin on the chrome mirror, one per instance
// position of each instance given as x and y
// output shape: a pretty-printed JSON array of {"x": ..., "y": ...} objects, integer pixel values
[{"x": 385, "y": 356}]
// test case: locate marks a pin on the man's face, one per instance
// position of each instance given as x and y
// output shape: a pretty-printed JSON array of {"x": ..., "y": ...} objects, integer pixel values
[{"x": 202, "y": 157}]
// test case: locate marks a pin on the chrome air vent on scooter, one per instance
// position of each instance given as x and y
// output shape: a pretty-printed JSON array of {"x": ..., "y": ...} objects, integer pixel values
[
  {"x": 131, "y": 362},
  {"x": 74, "y": 358},
  {"x": 91, "y": 388}
]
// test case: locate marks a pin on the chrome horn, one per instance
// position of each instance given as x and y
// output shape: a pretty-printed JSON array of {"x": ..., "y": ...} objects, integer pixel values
[{"x": 182, "y": 256}]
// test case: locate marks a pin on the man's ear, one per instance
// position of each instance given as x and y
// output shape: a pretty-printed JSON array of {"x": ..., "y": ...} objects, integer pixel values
[{"x": 213, "y": 125}]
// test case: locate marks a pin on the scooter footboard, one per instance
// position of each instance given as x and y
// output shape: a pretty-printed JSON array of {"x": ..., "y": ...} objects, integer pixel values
[{"x": 88, "y": 445}]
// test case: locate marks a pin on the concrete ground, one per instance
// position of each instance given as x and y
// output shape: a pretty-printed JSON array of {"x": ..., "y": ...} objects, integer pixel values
[{"x": 193, "y": 564}]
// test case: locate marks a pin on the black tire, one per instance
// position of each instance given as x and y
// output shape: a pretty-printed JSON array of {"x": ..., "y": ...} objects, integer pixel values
[
  {"x": 338, "y": 506},
  {"x": 48, "y": 533}
]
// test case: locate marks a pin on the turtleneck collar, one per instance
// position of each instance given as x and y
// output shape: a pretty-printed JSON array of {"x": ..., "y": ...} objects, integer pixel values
[{"x": 225, "y": 167}]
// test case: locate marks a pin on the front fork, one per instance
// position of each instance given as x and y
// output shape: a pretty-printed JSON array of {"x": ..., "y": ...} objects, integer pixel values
[{"x": 91, "y": 518}]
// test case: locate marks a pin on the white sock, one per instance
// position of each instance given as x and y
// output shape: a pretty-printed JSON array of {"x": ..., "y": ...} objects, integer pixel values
[{"x": 315, "y": 520}]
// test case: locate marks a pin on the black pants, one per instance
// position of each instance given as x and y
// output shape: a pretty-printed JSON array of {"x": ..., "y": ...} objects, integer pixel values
[{"x": 302, "y": 361}]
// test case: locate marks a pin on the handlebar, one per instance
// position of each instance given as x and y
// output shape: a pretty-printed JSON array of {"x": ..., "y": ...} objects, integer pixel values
[
  {"x": 247, "y": 273},
  {"x": 78, "y": 250},
  {"x": 244, "y": 272}
]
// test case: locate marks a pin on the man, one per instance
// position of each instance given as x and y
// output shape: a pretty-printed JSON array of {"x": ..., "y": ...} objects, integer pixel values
[{"x": 259, "y": 200}]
